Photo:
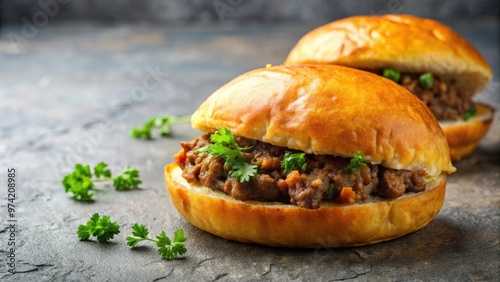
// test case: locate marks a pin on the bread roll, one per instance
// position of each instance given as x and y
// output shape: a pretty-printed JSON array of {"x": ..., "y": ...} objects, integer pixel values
[
  {"x": 320, "y": 109},
  {"x": 408, "y": 44}
]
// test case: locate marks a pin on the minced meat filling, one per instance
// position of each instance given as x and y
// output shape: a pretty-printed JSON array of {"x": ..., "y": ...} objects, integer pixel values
[
  {"x": 323, "y": 180},
  {"x": 444, "y": 99}
]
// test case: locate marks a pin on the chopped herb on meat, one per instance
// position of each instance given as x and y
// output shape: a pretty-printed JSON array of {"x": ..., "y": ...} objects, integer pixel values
[
  {"x": 391, "y": 74},
  {"x": 356, "y": 162},
  {"x": 293, "y": 162},
  {"x": 470, "y": 112},
  {"x": 224, "y": 145},
  {"x": 426, "y": 80}
]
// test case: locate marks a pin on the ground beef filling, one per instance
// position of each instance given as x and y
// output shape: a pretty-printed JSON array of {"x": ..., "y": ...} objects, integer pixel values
[
  {"x": 444, "y": 99},
  {"x": 307, "y": 188}
]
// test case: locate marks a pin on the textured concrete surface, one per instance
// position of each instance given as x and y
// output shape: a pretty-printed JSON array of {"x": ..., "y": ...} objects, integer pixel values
[{"x": 70, "y": 94}]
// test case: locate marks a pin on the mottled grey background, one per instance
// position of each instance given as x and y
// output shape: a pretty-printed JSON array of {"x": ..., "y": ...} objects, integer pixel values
[
  {"x": 202, "y": 11},
  {"x": 69, "y": 78}
]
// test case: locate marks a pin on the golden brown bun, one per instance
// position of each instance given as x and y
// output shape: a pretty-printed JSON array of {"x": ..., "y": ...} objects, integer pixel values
[
  {"x": 406, "y": 43},
  {"x": 278, "y": 224},
  {"x": 463, "y": 136},
  {"x": 333, "y": 110}
]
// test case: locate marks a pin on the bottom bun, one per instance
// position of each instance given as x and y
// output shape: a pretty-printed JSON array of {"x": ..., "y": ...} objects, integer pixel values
[
  {"x": 463, "y": 136},
  {"x": 278, "y": 224}
]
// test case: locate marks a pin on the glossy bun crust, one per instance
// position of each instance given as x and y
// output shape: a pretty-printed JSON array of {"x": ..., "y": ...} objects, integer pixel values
[
  {"x": 333, "y": 110},
  {"x": 278, "y": 224},
  {"x": 406, "y": 43}
]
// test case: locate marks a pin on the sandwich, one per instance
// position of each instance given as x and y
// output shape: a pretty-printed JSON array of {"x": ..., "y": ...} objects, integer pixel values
[
  {"x": 311, "y": 156},
  {"x": 426, "y": 57}
]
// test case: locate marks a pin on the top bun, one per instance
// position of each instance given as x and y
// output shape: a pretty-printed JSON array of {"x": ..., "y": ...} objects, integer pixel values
[
  {"x": 406, "y": 43},
  {"x": 333, "y": 110}
]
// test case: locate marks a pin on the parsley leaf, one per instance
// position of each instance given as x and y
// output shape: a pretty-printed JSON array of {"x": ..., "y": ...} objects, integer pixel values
[
  {"x": 293, "y": 162},
  {"x": 224, "y": 137},
  {"x": 470, "y": 112},
  {"x": 329, "y": 192},
  {"x": 102, "y": 228},
  {"x": 219, "y": 149},
  {"x": 171, "y": 250},
  {"x": 79, "y": 183},
  {"x": 426, "y": 80},
  {"x": 166, "y": 248},
  {"x": 85, "y": 231},
  {"x": 100, "y": 170},
  {"x": 391, "y": 74},
  {"x": 243, "y": 171},
  {"x": 162, "y": 123},
  {"x": 225, "y": 146},
  {"x": 356, "y": 162},
  {"x": 140, "y": 233},
  {"x": 128, "y": 179}
]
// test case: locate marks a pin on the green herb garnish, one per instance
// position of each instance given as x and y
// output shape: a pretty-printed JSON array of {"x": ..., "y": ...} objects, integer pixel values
[
  {"x": 166, "y": 248},
  {"x": 293, "y": 162},
  {"x": 392, "y": 74},
  {"x": 426, "y": 80},
  {"x": 128, "y": 179},
  {"x": 356, "y": 162},
  {"x": 470, "y": 112},
  {"x": 102, "y": 228},
  {"x": 162, "y": 123},
  {"x": 329, "y": 192},
  {"x": 101, "y": 170},
  {"x": 80, "y": 182},
  {"x": 225, "y": 146}
]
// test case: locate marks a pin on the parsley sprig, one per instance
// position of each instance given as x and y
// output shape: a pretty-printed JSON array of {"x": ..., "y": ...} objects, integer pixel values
[
  {"x": 101, "y": 227},
  {"x": 225, "y": 146},
  {"x": 293, "y": 162},
  {"x": 356, "y": 162},
  {"x": 104, "y": 230},
  {"x": 80, "y": 181},
  {"x": 162, "y": 123},
  {"x": 167, "y": 248},
  {"x": 329, "y": 192}
]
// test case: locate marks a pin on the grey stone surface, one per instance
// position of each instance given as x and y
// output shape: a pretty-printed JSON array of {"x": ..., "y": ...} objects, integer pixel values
[
  {"x": 71, "y": 92},
  {"x": 175, "y": 11}
]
